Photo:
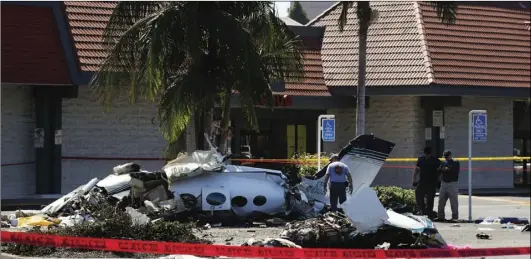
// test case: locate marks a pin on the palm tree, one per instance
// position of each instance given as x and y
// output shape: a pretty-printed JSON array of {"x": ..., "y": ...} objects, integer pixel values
[
  {"x": 191, "y": 56},
  {"x": 446, "y": 11}
]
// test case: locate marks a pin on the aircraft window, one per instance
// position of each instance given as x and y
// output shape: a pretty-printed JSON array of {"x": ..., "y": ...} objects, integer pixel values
[
  {"x": 216, "y": 199},
  {"x": 239, "y": 201},
  {"x": 259, "y": 200}
]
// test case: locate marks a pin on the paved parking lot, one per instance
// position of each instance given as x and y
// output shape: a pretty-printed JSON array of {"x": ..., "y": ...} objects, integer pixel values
[{"x": 484, "y": 206}]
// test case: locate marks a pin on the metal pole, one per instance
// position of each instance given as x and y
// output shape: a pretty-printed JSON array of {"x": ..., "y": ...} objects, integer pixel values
[
  {"x": 470, "y": 138},
  {"x": 319, "y": 142},
  {"x": 319, "y": 131},
  {"x": 470, "y": 165}
]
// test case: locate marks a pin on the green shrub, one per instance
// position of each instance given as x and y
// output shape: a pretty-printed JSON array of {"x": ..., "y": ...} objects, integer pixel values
[
  {"x": 394, "y": 197},
  {"x": 305, "y": 168}
]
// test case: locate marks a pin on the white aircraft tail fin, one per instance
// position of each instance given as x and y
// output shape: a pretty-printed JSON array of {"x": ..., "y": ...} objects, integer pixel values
[{"x": 364, "y": 157}]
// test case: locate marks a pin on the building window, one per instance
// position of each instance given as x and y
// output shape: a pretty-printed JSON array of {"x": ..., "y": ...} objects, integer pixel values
[
  {"x": 239, "y": 201},
  {"x": 216, "y": 199},
  {"x": 259, "y": 200}
]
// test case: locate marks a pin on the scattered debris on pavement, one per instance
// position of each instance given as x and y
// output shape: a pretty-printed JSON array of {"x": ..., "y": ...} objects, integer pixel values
[
  {"x": 271, "y": 242},
  {"x": 501, "y": 220},
  {"x": 508, "y": 226},
  {"x": 483, "y": 236},
  {"x": 504, "y": 222},
  {"x": 455, "y": 225}
]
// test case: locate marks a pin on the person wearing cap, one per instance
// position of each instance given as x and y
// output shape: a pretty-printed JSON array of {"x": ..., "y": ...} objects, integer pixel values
[
  {"x": 338, "y": 175},
  {"x": 450, "y": 178},
  {"x": 426, "y": 185}
]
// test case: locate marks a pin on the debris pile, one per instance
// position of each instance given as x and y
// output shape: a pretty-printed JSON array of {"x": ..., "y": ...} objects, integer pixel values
[
  {"x": 109, "y": 223},
  {"x": 328, "y": 230},
  {"x": 145, "y": 196},
  {"x": 335, "y": 230}
]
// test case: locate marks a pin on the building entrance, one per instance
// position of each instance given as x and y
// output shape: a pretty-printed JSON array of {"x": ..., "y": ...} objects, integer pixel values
[
  {"x": 282, "y": 133},
  {"x": 521, "y": 143},
  {"x": 296, "y": 139}
]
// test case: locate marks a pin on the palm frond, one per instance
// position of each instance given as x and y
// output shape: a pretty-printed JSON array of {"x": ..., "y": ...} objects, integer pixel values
[
  {"x": 162, "y": 51},
  {"x": 343, "y": 17},
  {"x": 185, "y": 96},
  {"x": 137, "y": 60},
  {"x": 127, "y": 13},
  {"x": 446, "y": 11}
]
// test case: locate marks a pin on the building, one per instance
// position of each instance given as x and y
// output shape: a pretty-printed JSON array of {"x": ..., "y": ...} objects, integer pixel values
[
  {"x": 290, "y": 22},
  {"x": 418, "y": 67},
  {"x": 56, "y": 135}
]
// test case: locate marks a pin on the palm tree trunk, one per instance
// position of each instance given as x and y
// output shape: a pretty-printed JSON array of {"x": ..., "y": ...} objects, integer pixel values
[
  {"x": 360, "y": 91},
  {"x": 208, "y": 118},
  {"x": 225, "y": 119}
]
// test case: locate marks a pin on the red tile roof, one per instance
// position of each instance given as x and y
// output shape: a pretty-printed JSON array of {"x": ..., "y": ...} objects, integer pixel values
[
  {"x": 408, "y": 45},
  {"x": 487, "y": 46},
  {"x": 394, "y": 47},
  {"x": 88, "y": 20},
  {"x": 31, "y": 48},
  {"x": 313, "y": 82}
]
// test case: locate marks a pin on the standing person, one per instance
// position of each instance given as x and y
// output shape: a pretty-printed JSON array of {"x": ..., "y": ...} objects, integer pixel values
[
  {"x": 450, "y": 178},
  {"x": 338, "y": 174},
  {"x": 426, "y": 186}
]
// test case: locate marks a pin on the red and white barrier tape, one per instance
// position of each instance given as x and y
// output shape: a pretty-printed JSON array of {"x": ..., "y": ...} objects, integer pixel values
[{"x": 151, "y": 247}]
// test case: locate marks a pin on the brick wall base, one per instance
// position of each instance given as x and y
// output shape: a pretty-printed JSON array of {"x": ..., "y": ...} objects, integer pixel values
[{"x": 18, "y": 123}]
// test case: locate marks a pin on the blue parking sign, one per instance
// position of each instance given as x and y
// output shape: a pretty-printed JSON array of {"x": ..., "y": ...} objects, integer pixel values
[
  {"x": 479, "y": 127},
  {"x": 329, "y": 130}
]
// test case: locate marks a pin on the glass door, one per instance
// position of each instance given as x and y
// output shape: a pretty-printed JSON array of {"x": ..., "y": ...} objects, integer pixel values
[
  {"x": 296, "y": 139},
  {"x": 521, "y": 169}
]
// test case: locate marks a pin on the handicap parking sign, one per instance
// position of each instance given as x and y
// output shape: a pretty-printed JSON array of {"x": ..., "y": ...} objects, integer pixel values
[
  {"x": 479, "y": 127},
  {"x": 329, "y": 130}
]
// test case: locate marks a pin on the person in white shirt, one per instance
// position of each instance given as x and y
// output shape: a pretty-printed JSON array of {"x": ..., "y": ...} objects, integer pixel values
[{"x": 338, "y": 175}]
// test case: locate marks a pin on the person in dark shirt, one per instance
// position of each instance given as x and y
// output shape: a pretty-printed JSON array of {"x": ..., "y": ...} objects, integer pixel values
[
  {"x": 449, "y": 189},
  {"x": 426, "y": 186}
]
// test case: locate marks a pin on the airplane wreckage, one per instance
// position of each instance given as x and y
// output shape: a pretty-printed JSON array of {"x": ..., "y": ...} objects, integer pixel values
[{"x": 204, "y": 184}]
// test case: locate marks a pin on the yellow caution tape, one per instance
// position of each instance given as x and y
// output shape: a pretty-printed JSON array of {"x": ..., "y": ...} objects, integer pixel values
[{"x": 508, "y": 158}]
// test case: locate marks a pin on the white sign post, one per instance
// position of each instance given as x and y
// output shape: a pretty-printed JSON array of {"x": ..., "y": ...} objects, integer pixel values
[
  {"x": 477, "y": 132},
  {"x": 328, "y": 133}
]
